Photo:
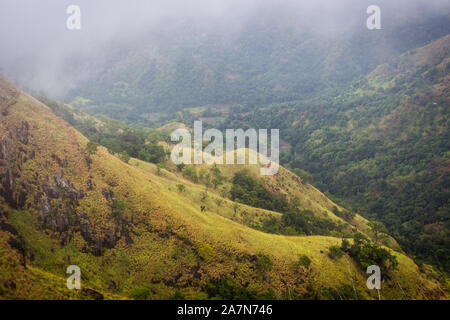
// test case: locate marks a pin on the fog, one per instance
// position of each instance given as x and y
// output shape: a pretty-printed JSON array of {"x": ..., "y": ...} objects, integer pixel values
[{"x": 39, "y": 52}]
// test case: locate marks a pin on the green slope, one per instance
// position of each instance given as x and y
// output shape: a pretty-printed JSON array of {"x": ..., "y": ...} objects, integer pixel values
[{"x": 134, "y": 235}]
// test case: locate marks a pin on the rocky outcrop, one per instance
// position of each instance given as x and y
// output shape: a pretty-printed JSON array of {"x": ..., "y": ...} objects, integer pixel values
[
  {"x": 23, "y": 132},
  {"x": 61, "y": 188},
  {"x": 109, "y": 240},
  {"x": 92, "y": 294},
  {"x": 54, "y": 197},
  {"x": 108, "y": 194},
  {"x": 7, "y": 149}
]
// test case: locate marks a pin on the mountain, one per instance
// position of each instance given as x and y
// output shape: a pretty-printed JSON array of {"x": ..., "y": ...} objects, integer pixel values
[
  {"x": 382, "y": 146},
  {"x": 279, "y": 53},
  {"x": 135, "y": 233},
  {"x": 366, "y": 114}
]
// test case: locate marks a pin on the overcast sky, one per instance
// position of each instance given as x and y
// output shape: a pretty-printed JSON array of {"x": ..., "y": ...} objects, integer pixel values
[{"x": 35, "y": 40}]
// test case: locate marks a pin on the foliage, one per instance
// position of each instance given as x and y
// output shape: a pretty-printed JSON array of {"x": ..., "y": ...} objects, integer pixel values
[
  {"x": 377, "y": 228},
  {"x": 335, "y": 252},
  {"x": 366, "y": 254},
  {"x": 300, "y": 222},
  {"x": 248, "y": 190},
  {"x": 140, "y": 293},
  {"x": 124, "y": 156},
  {"x": 206, "y": 252},
  {"x": 264, "y": 263},
  {"x": 159, "y": 166},
  {"x": 344, "y": 214},
  {"x": 180, "y": 167},
  {"x": 304, "y": 261},
  {"x": 118, "y": 208},
  {"x": 190, "y": 173},
  {"x": 91, "y": 147},
  {"x": 181, "y": 187},
  {"x": 178, "y": 295},
  {"x": 236, "y": 207},
  {"x": 226, "y": 288},
  {"x": 152, "y": 152}
]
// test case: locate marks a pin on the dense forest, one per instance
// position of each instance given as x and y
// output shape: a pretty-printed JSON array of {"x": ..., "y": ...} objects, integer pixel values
[{"x": 382, "y": 146}]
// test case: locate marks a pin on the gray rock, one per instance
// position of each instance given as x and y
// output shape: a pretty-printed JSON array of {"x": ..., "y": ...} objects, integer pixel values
[{"x": 22, "y": 132}]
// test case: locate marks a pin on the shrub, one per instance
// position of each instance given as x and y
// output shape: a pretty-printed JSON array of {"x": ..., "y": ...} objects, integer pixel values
[
  {"x": 235, "y": 207},
  {"x": 140, "y": 293},
  {"x": 377, "y": 229},
  {"x": 191, "y": 174},
  {"x": 117, "y": 208},
  {"x": 152, "y": 152},
  {"x": 178, "y": 295},
  {"x": 345, "y": 246},
  {"x": 124, "y": 156},
  {"x": 366, "y": 254},
  {"x": 346, "y": 215},
  {"x": 304, "y": 261},
  {"x": 335, "y": 252},
  {"x": 159, "y": 166},
  {"x": 91, "y": 147},
  {"x": 264, "y": 263},
  {"x": 251, "y": 191},
  {"x": 206, "y": 252},
  {"x": 204, "y": 195},
  {"x": 226, "y": 288}
]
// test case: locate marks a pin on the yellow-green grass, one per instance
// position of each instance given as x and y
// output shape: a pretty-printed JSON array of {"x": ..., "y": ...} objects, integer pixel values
[{"x": 168, "y": 229}]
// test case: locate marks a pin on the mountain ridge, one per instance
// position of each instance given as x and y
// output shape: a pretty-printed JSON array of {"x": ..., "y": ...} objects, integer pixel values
[{"x": 62, "y": 205}]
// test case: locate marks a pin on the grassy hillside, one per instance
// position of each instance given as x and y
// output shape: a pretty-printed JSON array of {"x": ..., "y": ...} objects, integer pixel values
[{"x": 135, "y": 235}]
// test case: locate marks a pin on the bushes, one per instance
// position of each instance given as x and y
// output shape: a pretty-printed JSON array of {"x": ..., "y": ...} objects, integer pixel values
[
  {"x": 304, "y": 261},
  {"x": 297, "y": 222},
  {"x": 264, "y": 263},
  {"x": 117, "y": 208},
  {"x": 346, "y": 215},
  {"x": 152, "y": 152},
  {"x": 217, "y": 178},
  {"x": 226, "y": 288},
  {"x": 140, "y": 293},
  {"x": 124, "y": 156},
  {"x": 206, "y": 252},
  {"x": 366, "y": 254},
  {"x": 91, "y": 147},
  {"x": 335, "y": 252},
  {"x": 377, "y": 229},
  {"x": 181, "y": 187},
  {"x": 248, "y": 190},
  {"x": 345, "y": 246},
  {"x": 178, "y": 295},
  {"x": 191, "y": 173}
]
